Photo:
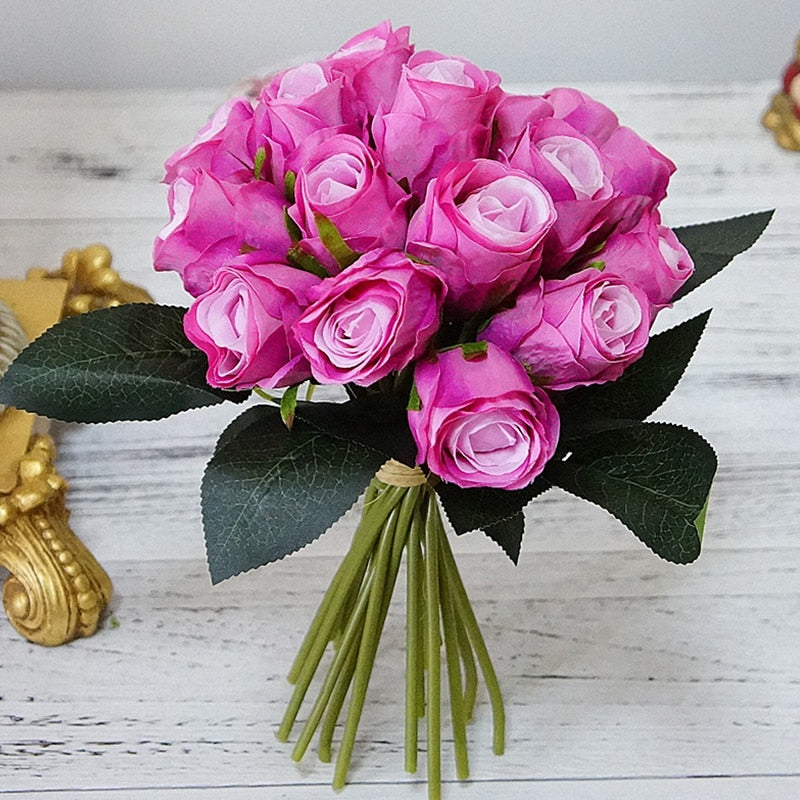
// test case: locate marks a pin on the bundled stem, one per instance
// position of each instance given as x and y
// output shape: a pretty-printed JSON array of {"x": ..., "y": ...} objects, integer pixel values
[{"x": 401, "y": 514}]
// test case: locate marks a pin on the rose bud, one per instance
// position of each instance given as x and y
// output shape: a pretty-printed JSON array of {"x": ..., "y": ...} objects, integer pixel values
[
  {"x": 220, "y": 146},
  {"x": 585, "y": 329},
  {"x": 482, "y": 225},
  {"x": 244, "y": 323},
  {"x": 370, "y": 62},
  {"x": 214, "y": 221},
  {"x": 649, "y": 256},
  {"x": 343, "y": 179},
  {"x": 371, "y": 319},
  {"x": 480, "y": 421},
  {"x": 442, "y": 112}
]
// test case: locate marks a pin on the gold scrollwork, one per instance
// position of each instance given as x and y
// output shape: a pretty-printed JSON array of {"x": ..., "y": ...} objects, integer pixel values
[{"x": 56, "y": 590}]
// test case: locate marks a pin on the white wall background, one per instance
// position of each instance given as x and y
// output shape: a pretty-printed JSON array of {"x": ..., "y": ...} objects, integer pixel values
[{"x": 159, "y": 43}]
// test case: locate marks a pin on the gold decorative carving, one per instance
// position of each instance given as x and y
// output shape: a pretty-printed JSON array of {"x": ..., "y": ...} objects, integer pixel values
[
  {"x": 56, "y": 591},
  {"x": 783, "y": 115}
]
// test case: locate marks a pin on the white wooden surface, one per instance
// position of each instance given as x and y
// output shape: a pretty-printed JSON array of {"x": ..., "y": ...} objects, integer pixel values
[{"x": 624, "y": 677}]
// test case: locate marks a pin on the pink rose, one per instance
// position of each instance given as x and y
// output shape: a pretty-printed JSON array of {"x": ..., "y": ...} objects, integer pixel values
[
  {"x": 244, "y": 323},
  {"x": 585, "y": 329},
  {"x": 482, "y": 225},
  {"x": 649, "y": 256},
  {"x": 480, "y": 421},
  {"x": 344, "y": 180},
  {"x": 220, "y": 146},
  {"x": 442, "y": 112},
  {"x": 602, "y": 176},
  {"x": 638, "y": 169},
  {"x": 371, "y": 61},
  {"x": 213, "y": 221},
  {"x": 371, "y": 319},
  {"x": 295, "y": 104}
]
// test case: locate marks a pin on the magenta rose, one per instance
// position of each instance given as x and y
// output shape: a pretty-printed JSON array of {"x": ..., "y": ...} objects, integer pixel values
[
  {"x": 480, "y": 421},
  {"x": 220, "y": 146},
  {"x": 638, "y": 169},
  {"x": 581, "y": 330},
  {"x": 442, "y": 111},
  {"x": 482, "y": 225},
  {"x": 244, "y": 323},
  {"x": 213, "y": 221},
  {"x": 343, "y": 179},
  {"x": 373, "y": 318},
  {"x": 371, "y": 62},
  {"x": 296, "y": 104},
  {"x": 649, "y": 256}
]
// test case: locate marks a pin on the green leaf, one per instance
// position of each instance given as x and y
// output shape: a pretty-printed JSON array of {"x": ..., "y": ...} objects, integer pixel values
[
  {"x": 268, "y": 491},
  {"x": 132, "y": 362},
  {"x": 641, "y": 389},
  {"x": 292, "y": 228},
  {"x": 497, "y": 512},
  {"x": 653, "y": 477},
  {"x": 712, "y": 245},
  {"x": 334, "y": 243},
  {"x": 508, "y": 534},
  {"x": 289, "y": 181}
]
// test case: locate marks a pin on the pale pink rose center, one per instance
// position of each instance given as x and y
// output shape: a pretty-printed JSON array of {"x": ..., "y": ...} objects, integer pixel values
[
  {"x": 445, "y": 70},
  {"x": 577, "y": 163},
  {"x": 490, "y": 442},
  {"x": 302, "y": 81},
  {"x": 224, "y": 317},
  {"x": 509, "y": 210},
  {"x": 181, "y": 197},
  {"x": 351, "y": 334},
  {"x": 336, "y": 178},
  {"x": 364, "y": 46},
  {"x": 617, "y": 316}
]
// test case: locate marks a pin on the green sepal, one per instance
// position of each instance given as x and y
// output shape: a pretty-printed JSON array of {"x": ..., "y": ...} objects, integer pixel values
[
  {"x": 414, "y": 400},
  {"x": 132, "y": 362},
  {"x": 295, "y": 234},
  {"x": 289, "y": 405},
  {"x": 289, "y": 181},
  {"x": 299, "y": 258},
  {"x": 258, "y": 163},
  {"x": 333, "y": 241}
]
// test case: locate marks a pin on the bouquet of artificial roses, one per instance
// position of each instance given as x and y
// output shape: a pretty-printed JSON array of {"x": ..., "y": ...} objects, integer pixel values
[{"x": 480, "y": 271}]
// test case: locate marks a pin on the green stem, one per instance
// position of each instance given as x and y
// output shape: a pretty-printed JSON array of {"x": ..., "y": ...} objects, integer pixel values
[
  {"x": 366, "y": 657},
  {"x": 433, "y": 652},
  {"x": 349, "y": 643},
  {"x": 413, "y": 660},
  {"x": 307, "y": 661},
  {"x": 467, "y": 615},
  {"x": 335, "y": 706},
  {"x": 470, "y": 672},
  {"x": 457, "y": 711}
]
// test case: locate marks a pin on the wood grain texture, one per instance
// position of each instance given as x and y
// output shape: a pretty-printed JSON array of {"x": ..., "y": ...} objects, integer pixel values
[{"x": 625, "y": 677}]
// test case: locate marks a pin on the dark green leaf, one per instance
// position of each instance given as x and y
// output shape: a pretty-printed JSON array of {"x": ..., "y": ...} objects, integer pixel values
[
  {"x": 653, "y": 477},
  {"x": 132, "y": 362},
  {"x": 497, "y": 512},
  {"x": 302, "y": 260},
  {"x": 712, "y": 245},
  {"x": 641, "y": 389},
  {"x": 508, "y": 534},
  {"x": 268, "y": 491}
]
